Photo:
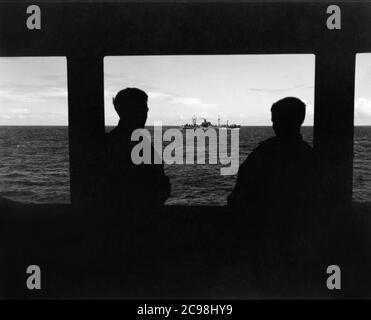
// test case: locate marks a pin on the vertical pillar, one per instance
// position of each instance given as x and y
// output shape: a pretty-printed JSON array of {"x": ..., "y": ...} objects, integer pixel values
[
  {"x": 333, "y": 123},
  {"x": 86, "y": 125}
]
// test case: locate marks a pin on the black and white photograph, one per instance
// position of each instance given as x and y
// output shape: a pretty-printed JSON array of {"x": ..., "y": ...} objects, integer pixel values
[{"x": 185, "y": 150}]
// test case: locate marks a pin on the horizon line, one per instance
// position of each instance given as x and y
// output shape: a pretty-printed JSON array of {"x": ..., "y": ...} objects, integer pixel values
[{"x": 166, "y": 125}]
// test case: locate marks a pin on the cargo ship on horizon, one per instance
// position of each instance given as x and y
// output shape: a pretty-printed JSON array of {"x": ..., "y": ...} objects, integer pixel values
[{"x": 207, "y": 124}]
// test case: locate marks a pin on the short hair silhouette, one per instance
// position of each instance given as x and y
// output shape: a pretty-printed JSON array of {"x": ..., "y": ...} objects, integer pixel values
[
  {"x": 288, "y": 115},
  {"x": 130, "y": 101},
  {"x": 130, "y": 187}
]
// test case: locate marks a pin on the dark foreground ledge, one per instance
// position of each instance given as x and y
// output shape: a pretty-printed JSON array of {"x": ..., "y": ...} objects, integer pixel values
[{"x": 186, "y": 253}]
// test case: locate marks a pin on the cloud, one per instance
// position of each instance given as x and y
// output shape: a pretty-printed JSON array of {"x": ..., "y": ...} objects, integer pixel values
[
  {"x": 33, "y": 104},
  {"x": 27, "y": 94},
  {"x": 28, "y": 118},
  {"x": 194, "y": 102},
  {"x": 309, "y": 108},
  {"x": 270, "y": 91},
  {"x": 155, "y": 94},
  {"x": 110, "y": 93},
  {"x": 115, "y": 76},
  {"x": 304, "y": 86},
  {"x": 158, "y": 95},
  {"x": 19, "y": 110},
  {"x": 281, "y": 90},
  {"x": 362, "y": 108}
]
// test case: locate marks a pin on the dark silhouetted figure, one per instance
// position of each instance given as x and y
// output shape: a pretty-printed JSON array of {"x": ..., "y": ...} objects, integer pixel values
[
  {"x": 129, "y": 186},
  {"x": 125, "y": 236},
  {"x": 276, "y": 194},
  {"x": 279, "y": 172}
]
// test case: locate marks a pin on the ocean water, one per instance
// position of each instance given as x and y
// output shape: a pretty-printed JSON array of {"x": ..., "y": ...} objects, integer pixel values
[
  {"x": 362, "y": 164},
  {"x": 34, "y": 164},
  {"x": 34, "y": 167}
]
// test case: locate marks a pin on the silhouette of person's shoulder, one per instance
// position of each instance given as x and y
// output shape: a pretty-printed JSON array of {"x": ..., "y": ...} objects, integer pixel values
[
  {"x": 268, "y": 148},
  {"x": 116, "y": 134},
  {"x": 266, "y": 145},
  {"x": 280, "y": 152},
  {"x": 268, "y": 142},
  {"x": 289, "y": 151},
  {"x": 134, "y": 185},
  {"x": 275, "y": 164},
  {"x": 276, "y": 142}
]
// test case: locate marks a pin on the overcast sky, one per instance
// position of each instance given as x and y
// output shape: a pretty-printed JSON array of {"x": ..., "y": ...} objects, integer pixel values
[{"x": 239, "y": 88}]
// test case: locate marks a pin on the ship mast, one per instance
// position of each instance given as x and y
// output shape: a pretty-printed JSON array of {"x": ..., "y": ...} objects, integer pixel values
[{"x": 194, "y": 121}]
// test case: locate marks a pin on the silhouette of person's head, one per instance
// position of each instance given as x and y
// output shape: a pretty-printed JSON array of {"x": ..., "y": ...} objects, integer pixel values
[
  {"x": 131, "y": 106},
  {"x": 287, "y": 116}
]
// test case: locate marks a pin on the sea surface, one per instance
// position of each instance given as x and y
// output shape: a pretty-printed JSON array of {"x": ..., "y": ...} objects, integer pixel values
[{"x": 34, "y": 166}]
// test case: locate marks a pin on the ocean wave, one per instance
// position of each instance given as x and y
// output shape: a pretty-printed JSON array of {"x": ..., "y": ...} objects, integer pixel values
[{"x": 34, "y": 167}]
